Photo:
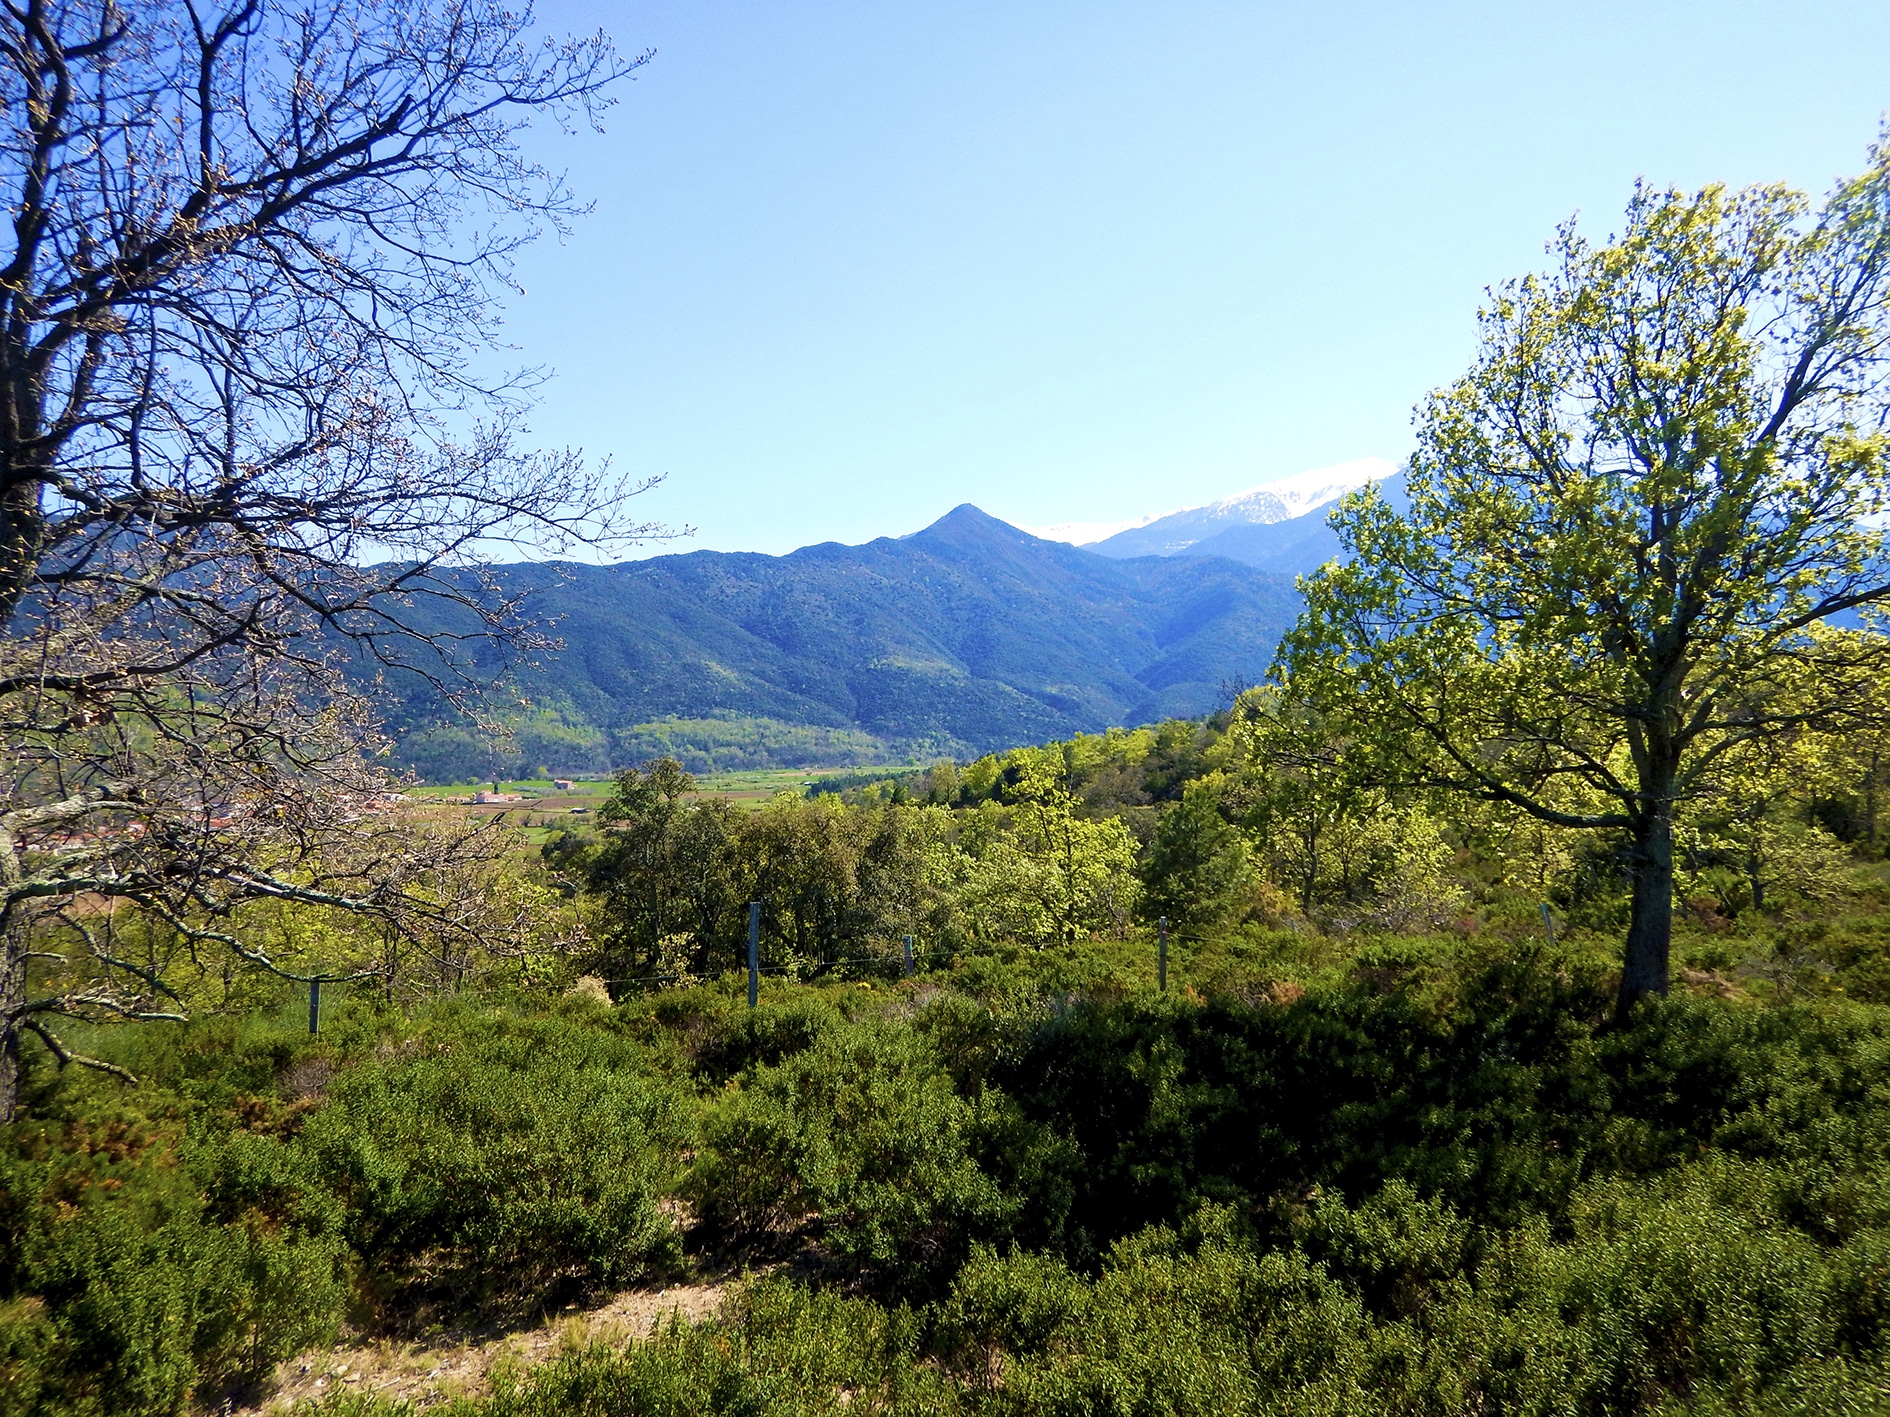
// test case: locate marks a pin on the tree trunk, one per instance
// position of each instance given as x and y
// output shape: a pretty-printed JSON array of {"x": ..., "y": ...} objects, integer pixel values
[
  {"x": 12, "y": 999},
  {"x": 1650, "y": 927}
]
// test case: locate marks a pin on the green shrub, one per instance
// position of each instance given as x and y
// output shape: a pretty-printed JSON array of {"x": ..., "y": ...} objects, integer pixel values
[
  {"x": 1400, "y": 1252},
  {"x": 1688, "y": 1283},
  {"x": 28, "y": 1337},
  {"x": 861, "y": 1135},
  {"x": 970, "y": 1040},
  {"x": 764, "y": 1037},
  {"x": 131, "y": 1295},
  {"x": 776, "y": 1349},
  {"x": 1445, "y": 1181},
  {"x": 491, "y": 1174},
  {"x": 1005, "y": 1308},
  {"x": 1168, "y": 1327}
]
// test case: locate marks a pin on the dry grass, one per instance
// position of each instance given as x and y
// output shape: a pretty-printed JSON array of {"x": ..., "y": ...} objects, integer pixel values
[{"x": 426, "y": 1372}]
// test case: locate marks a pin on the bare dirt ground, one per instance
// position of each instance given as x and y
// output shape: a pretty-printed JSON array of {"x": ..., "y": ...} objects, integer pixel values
[{"x": 426, "y": 1372}]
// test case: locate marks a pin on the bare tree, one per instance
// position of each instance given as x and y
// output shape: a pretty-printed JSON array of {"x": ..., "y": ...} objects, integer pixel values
[{"x": 245, "y": 433}]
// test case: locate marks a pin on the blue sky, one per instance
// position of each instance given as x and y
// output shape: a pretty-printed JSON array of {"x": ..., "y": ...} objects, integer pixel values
[{"x": 852, "y": 264}]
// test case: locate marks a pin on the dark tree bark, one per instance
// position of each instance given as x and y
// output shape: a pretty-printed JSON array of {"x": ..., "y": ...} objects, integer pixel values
[
  {"x": 1646, "y": 955},
  {"x": 12, "y": 1005}
]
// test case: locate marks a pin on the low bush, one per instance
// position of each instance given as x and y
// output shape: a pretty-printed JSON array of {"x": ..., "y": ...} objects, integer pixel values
[
  {"x": 861, "y": 1137},
  {"x": 497, "y": 1173},
  {"x": 777, "y": 1349},
  {"x": 1436, "y": 1181},
  {"x": 133, "y": 1289}
]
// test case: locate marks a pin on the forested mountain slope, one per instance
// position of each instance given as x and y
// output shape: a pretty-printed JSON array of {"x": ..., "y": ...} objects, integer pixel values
[{"x": 967, "y": 636}]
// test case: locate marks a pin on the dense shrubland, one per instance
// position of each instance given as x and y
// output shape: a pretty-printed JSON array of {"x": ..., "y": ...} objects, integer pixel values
[
  {"x": 1382, "y": 1145},
  {"x": 1395, "y": 1153}
]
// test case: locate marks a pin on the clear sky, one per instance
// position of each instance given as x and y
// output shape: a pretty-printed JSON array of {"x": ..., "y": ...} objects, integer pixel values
[{"x": 852, "y": 264}]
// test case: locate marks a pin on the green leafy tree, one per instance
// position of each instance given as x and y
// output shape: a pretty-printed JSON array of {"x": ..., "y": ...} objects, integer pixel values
[
  {"x": 1349, "y": 851},
  {"x": 1038, "y": 871},
  {"x": 664, "y": 878},
  {"x": 836, "y": 882},
  {"x": 1197, "y": 871},
  {"x": 672, "y": 875},
  {"x": 1848, "y": 772},
  {"x": 1751, "y": 841},
  {"x": 1087, "y": 867},
  {"x": 1306, "y": 801},
  {"x": 1629, "y": 524}
]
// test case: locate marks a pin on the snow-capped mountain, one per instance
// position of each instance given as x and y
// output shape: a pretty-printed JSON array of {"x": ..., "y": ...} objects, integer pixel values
[{"x": 1283, "y": 499}]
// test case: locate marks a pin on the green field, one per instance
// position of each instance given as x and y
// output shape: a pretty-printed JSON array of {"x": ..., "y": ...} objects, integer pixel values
[
  {"x": 762, "y": 783},
  {"x": 747, "y": 785},
  {"x": 542, "y": 810}
]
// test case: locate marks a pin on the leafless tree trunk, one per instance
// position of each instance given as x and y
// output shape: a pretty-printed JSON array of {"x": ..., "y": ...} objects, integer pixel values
[{"x": 251, "y": 266}]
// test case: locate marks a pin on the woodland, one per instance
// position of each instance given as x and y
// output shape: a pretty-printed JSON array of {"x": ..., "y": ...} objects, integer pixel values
[{"x": 1485, "y": 1010}]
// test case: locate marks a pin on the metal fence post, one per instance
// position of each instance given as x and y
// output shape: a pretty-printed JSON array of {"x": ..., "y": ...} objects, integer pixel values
[
  {"x": 314, "y": 1005},
  {"x": 1161, "y": 955},
  {"x": 754, "y": 952},
  {"x": 908, "y": 943}
]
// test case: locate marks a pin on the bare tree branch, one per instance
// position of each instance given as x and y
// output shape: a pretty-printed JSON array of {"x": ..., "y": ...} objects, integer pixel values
[{"x": 251, "y": 460}]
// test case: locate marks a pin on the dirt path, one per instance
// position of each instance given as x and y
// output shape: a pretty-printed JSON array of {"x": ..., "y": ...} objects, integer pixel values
[{"x": 431, "y": 1371}]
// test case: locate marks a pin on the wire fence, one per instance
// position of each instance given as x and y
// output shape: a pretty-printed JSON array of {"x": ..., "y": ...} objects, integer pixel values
[
  {"x": 779, "y": 971},
  {"x": 903, "y": 961}
]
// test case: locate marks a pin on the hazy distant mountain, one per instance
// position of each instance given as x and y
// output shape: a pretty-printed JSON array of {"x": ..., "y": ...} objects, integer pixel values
[
  {"x": 1293, "y": 547},
  {"x": 1289, "y": 499},
  {"x": 967, "y": 636}
]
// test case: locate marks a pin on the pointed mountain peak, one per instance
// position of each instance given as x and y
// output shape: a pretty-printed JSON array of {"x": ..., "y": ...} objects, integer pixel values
[
  {"x": 966, "y": 524},
  {"x": 966, "y": 514}
]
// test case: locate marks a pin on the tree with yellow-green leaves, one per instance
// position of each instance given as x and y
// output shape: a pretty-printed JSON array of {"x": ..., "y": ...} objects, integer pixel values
[
  {"x": 1631, "y": 524},
  {"x": 1346, "y": 850},
  {"x": 1037, "y": 869}
]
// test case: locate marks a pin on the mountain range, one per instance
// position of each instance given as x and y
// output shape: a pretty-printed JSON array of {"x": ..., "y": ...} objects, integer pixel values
[{"x": 968, "y": 636}]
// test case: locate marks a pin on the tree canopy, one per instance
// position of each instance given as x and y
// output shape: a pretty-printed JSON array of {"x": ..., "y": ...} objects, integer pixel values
[{"x": 1634, "y": 526}]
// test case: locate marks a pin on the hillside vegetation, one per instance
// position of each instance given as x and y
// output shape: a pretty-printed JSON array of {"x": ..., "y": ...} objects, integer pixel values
[
  {"x": 1391, "y": 1152},
  {"x": 966, "y": 636}
]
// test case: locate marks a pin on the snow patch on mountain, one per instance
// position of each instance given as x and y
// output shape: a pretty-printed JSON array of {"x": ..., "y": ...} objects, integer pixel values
[
  {"x": 1170, "y": 533},
  {"x": 1288, "y": 497}
]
